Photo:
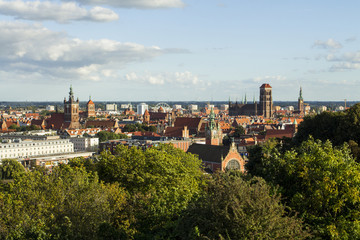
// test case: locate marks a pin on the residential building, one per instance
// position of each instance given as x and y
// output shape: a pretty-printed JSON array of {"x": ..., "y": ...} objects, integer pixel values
[
  {"x": 85, "y": 144},
  {"x": 30, "y": 148}
]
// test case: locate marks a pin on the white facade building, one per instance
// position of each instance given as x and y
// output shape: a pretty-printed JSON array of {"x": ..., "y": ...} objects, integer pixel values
[
  {"x": 193, "y": 107},
  {"x": 30, "y": 148},
  {"x": 176, "y": 106},
  {"x": 141, "y": 108},
  {"x": 290, "y": 108},
  {"x": 82, "y": 144},
  {"x": 224, "y": 107},
  {"x": 111, "y": 107},
  {"x": 50, "y": 108}
]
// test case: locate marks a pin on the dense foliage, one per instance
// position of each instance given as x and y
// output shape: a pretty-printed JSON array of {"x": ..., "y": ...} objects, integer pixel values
[
  {"x": 319, "y": 181},
  {"x": 139, "y": 127},
  {"x": 106, "y": 135},
  {"x": 236, "y": 208},
  {"x": 160, "y": 182},
  {"x": 67, "y": 204},
  {"x": 338, "y": 127}
]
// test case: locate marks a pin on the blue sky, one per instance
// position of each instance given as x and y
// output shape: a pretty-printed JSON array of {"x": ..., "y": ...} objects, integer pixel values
[{"x": 166, "y": 50}]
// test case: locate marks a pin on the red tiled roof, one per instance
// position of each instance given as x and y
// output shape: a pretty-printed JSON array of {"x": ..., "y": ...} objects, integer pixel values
[{"x": 265, "y": 85}]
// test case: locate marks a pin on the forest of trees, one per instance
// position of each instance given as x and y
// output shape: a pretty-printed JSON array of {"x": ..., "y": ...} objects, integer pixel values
[{"x": 302, "y": 188}]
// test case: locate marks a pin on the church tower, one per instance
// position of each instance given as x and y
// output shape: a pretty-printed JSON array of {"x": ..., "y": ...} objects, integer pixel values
[
  {"x": 301, "y": 103},
  {"x": 266, "y": 103},
  {"x": 213, "y": 132},
  {"x": 90, "y": 109},
  {"x": 71, "y": 111}
]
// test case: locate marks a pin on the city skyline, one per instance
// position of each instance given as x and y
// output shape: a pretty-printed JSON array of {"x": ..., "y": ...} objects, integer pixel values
[{"x": 178, "y": 50}]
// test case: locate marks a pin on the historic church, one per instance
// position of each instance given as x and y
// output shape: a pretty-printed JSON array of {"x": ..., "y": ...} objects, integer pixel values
[{"x": 263, "y": 108}]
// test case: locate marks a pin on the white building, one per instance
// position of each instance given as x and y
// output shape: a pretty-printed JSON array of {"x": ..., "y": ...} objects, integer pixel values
[
  {"x": 193, "y": 107},
  {"x": 31, "y": 148},
  {"x": 82, "y": 144},
  {"x": 224, "y": 107},
  {"x": 141, "y": 108},
  {"x": 176, "y": 106},
  {"x": 50, "y": 108},
  {"x": 290, "y": 108},
  {"x": 322, "y": 108},
  {"x": 111, "y": 107}
]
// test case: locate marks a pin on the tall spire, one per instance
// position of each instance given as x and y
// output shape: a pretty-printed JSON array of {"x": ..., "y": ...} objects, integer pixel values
[
  {"x": 71, "y": 94},
  {"x": 212, "y": 119},
  {"x": 300, "y": 94},
  {"x": 245, "y": 99}
]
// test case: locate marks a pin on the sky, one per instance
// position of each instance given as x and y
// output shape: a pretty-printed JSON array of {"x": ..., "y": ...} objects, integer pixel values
[{"x": 179, "y": 50}]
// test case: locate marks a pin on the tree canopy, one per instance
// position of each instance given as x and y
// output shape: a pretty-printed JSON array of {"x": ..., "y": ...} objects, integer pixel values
[
  {"x": 160, "y": 182},
  {"x": 236, "y": 208},
  {"x": 106, "y": 135},
  {"x": 67, "y": 204},
  {"x": 319, "y": 181}
]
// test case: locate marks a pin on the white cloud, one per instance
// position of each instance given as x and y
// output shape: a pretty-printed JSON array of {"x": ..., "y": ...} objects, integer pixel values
[
  {"x": 269, "y": 78},
  {"x": 183, "y": 79},
  {"x": 328, "y": 44},
  {"x": 26, "y": 48},
  {"x": 345, "y": 66},
  {"x": 62, "y": 13},
  {"x": 141, "y": 4}
]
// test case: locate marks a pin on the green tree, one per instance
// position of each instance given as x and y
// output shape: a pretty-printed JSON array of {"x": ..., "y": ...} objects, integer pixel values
[
  {"x": 14, "y": 127},
  {"x": 238, "y": 131},
  {"x": 66, "y": 204},
  {"x": 105, "y": 135},
  {"x": 10, "y": 168},
  {"x": 319, "y": 181},
  {"x": 160, "y": 182},
  {"x": 235, "y": 208}
]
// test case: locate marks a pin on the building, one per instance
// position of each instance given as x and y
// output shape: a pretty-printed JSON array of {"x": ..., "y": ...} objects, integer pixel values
[
  {"x": 301, "y": 103},
  {"x": 71, "y": 112},
  {"x": 224, "y": 107},
  {"x": 177, "y": 106},
  {"x": 193, "y": 107},
  {"x": 218, "y": 158},
  {"x": 90, "y": 109},
  {"x": 213, "y": 132},
  {"x": 111, "y": 107},
  {"x": 85, "y": 144},
  {"x": 141, "y": 108},
  {"x": 263, "y": 108},
  {"x": 50, "y": 108},
  {"x": 31, "y": 148}
]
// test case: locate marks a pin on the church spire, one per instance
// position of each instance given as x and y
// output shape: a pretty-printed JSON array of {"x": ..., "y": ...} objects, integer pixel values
[
  {"x": 300, "y": 94},
  {"x": 71, "y": 93},
  {"x": 212, "y": 119}
]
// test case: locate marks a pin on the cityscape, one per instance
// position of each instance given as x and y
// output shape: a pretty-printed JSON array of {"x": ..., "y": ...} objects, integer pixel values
[{"x": 179, "y": 119}]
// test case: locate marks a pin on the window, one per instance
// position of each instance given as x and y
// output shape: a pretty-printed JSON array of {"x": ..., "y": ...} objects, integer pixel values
[{"x": 233, "y": 165}]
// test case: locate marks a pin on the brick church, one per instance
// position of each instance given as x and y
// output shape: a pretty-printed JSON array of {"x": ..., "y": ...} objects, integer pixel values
[{"x": 263, "y": 108}]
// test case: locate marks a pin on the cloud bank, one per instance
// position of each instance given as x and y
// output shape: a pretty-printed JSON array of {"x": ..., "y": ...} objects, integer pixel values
[
  {"x": 62, "y": 13},
  {"x": 184, "y": 79},
  {"x": 140, "y": 4},
  {"x": 34, "y": 49}
]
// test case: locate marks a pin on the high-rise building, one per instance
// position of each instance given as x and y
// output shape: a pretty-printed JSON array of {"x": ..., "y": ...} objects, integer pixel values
[{"x": 141, "y": 108}]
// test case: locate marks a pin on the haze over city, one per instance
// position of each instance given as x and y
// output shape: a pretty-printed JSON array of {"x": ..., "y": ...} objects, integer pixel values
[{"x": 131, "y": 50}]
